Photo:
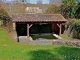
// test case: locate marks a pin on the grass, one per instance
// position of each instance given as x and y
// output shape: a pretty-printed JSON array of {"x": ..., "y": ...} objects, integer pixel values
[
  {"x": 43, "y": 36},
  {"x": 68, "y": 38},
  {"x": 10, "y": 50},
  {"x": 65, "y": 37}
]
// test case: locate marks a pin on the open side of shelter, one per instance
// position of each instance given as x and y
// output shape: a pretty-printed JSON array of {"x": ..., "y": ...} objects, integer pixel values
[{"x": 25, "y": 24}]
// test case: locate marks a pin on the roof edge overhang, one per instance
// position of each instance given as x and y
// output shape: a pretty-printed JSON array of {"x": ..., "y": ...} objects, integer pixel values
[{"x": 63, "y": 20}]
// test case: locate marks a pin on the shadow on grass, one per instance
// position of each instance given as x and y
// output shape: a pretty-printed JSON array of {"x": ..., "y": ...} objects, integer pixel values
[
  {"x": 57, "y": 53},
  {"x": 68, "y": 53},
  {"x": 43, "y": 55}
]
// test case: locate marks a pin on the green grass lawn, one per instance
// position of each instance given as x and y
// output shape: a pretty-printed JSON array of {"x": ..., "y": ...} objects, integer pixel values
[
  {"x": 66, "y": 37},
  {"x": 10, "y": 50}
]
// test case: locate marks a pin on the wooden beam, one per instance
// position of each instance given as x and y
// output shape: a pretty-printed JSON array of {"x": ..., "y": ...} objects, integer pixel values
[
  {"x": 58, "y": 25},
  {"x": 30, "y": 26},
  {"x": 27, "y": 30}
]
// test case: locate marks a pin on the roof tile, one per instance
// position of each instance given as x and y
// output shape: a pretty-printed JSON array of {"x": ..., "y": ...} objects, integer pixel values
[{"x": 38, "y": 18}]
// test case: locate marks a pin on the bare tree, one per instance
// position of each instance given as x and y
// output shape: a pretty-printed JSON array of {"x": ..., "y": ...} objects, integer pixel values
[
  {"x": 23, "y": 1},
  {"x": 27, "y": 1},
  {"x": 39, "y": 1},
  {"x": 17, "y": 1},
  {"x": 0, "y": 1},
  {"x": 57, "y": 2},
  {"x": 50, "y": 1}
]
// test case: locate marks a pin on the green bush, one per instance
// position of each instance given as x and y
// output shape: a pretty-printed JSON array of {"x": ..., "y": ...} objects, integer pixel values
[
  {"x": 4, "y": 16},
  {"x": 74, "y": 28}
]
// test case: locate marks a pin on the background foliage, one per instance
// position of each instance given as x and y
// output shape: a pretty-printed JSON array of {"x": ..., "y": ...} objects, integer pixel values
[
  {"x": 69, "y": 8},
  {"x": 4, "y": 16},
  {"x": 52, "y": 9},
  {"x": 74, "y": 28}
]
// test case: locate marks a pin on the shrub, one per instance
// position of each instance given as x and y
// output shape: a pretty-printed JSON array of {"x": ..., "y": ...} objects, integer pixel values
[
  {"x": 74, "y": 28},
  {"x": 4, "y": 16}
]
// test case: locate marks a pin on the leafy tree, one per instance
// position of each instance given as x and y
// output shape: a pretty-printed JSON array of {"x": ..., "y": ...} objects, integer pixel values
[
  {"x": 68, "y": 8},
  {"x": 52, "y": 9},
  {"x": 78, "y": 12}
]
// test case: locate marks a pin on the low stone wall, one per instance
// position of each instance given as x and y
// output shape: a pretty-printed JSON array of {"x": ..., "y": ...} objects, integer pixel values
[
  {"x": 15, "y": 35},
  {"x": 69, "y": 43}
]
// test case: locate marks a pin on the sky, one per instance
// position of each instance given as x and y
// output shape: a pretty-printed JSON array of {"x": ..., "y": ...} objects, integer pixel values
[{"x": 34, "y": 1}]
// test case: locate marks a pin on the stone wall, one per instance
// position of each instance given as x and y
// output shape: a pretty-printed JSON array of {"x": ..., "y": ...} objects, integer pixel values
[
  {"x": 15, "y": 37},
  {"x": 69, "y": 43}
]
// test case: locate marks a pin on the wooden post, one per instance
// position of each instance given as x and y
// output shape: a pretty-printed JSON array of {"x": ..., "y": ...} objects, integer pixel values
[
  {"x": 14, "y": 26},
  {"x": 28, "y": 27},
  {"x": 27, "y": 30},
  {"x": 60, "y": 27}
]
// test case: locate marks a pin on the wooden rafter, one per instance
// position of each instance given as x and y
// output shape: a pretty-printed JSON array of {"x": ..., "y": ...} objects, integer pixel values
[
  {"x": 58, "y": 25},
  {"x": 28, "y": 27}
]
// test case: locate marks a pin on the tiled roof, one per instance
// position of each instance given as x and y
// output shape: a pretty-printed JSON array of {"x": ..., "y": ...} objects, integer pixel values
[{"x": 38, "y": 18}]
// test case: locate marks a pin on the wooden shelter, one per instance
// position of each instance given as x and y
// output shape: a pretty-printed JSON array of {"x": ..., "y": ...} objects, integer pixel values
[{"x": 30, "y": 19}]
